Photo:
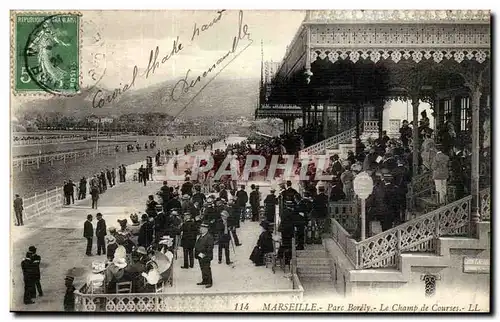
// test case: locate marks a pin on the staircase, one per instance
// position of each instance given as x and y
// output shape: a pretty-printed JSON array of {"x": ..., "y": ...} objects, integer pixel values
[
  {"x": 343, "y": 142},
  {"x": 313, "y": 264}
]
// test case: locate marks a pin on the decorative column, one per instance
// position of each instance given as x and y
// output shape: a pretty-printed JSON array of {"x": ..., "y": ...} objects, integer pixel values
[
  {"x": 379, "y": 112},
  {"x": 357, "y": 110},
  {"x": 473, "y": 76},
  {"x": 415, "y": 103},
  {"x": 325, "y": 121}
]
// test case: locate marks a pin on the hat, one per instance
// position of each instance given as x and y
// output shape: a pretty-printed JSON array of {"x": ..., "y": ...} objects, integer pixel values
[
  {"x": 112, "y": 229},
  {"x": 122, "y": 222},
  {"x": 204, "y": 225},
  {"x": 98, "y": 267},
  {"x": 69, "y": 279},
  {"x": 110, "y": 239},
  {"x": 32, "y": 249},
  {"x": 120, "y": 262},
  {"x": 265, "y": 224},
  {"x": 141, "y": 250},
  {"x": 134, "y": 217},
  {"x": 166, "y": 240}
]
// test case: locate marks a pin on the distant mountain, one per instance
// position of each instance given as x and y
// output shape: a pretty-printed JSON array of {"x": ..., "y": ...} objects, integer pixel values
[{"x": 222, "y": 97}]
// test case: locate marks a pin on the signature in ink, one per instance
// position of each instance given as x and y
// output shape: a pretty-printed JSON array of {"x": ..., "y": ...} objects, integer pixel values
[
  {"x": 100, "y": 99},
  {"x": 184, "y": 85},
  {"x": 153, "y": 64},
  {"x": 196, "y": 31}
]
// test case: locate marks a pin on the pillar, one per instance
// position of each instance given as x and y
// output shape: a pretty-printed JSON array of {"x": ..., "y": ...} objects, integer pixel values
[
  {"x": 415, "y": 102},
  {"x": 325, "y": 121},
  {"x": 379, "y": 112},
  {"x": 357, "y": 111},
  {"x": 473, "y": 76}
]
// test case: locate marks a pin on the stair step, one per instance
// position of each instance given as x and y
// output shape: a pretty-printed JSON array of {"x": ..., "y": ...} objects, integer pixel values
[
  {"x": 312, "y": 261},
  {"x": 314, "y": 270},
  {"x": 313, "y": 247},
  {"x": 312, "y": 254},
  {"x": 315, "y": 277}
]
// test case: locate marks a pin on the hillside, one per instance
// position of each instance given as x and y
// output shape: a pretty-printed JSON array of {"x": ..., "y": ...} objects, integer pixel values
[{"x": 224, "y": 97}]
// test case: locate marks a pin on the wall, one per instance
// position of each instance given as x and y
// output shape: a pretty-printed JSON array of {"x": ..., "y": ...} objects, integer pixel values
[{"x": 403, "y": 111}]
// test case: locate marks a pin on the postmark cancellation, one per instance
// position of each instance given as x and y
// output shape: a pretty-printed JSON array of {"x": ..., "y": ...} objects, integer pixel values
[{"x": 45, "y": 53}]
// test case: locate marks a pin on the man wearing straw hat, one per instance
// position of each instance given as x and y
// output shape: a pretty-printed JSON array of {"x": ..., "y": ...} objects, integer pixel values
[{"x": 203, "y": 251}]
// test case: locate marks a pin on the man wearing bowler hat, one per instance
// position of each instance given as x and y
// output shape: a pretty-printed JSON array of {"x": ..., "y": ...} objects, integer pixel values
[{"x": 203, "y": 251}]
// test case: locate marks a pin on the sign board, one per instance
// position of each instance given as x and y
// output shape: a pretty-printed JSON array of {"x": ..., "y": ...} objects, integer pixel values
[
  {"x": 363, "y": 185},
  {"x": 476, "y": 265}
]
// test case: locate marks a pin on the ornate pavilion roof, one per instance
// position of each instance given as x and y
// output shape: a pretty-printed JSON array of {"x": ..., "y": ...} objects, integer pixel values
[{"x": 388, "y": 34}]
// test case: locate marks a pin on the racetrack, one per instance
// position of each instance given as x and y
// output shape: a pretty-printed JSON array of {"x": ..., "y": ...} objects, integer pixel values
[{"x": 36, "y": 180}]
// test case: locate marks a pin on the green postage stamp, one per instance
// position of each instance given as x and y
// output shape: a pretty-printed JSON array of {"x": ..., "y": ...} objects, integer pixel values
[{"x": 46, "y": 53}]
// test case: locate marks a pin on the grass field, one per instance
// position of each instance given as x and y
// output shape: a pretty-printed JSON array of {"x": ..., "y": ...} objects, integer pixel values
[{"x": 36, "y": 180}]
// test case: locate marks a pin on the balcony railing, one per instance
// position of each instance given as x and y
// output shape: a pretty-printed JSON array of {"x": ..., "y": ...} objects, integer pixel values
[{"x": 185, "y": 302}]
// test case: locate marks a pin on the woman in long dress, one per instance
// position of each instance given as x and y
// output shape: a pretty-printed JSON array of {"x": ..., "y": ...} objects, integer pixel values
[{"x": 264, "y": 244}]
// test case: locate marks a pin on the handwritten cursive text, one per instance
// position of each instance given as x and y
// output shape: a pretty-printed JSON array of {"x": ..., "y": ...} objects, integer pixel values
[
  {"x": 100, "y": 99},
  {"x": 196, "y": 31},
  {"x": 184, "y": 85},
  {"x": 153, "y": 64}
]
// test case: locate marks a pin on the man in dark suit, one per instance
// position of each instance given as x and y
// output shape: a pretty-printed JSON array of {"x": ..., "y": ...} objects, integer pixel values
[
  {"x": 189, "y": 231},
  {"x": 290, "y": 194},
  {"x": 241, "y": 201},
  {"x": 29, "y": 282},
  {"x": 88, "y": 232},
  {"x": 337, "y": 168},
  {"x": 94, "y": 192},
  {"x": 100, "y": 232},
  {"x": 254, "y": 202},
  {"x": 35, "y": 260},
  {"x": 18, "y": 209},
  {"x": 223, "y": 192},
  {"x": 203, "y": 251}
]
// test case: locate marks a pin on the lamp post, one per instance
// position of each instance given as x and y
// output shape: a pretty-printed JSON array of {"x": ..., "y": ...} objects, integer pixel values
[{"x": 363, "y": 187}]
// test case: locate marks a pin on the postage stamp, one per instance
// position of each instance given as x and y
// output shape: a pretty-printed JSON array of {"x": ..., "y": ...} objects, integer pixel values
[{"x": 46, "y": 53}]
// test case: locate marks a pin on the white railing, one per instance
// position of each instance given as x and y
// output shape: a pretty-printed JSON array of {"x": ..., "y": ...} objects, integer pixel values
[
  {"x": 185, "y": 302},
  {"x": 394, "y": 126},
  {"x": 46, "y": 141},
  {"x": 346, "y": 214},
  {"x": 41, "y": 204},
  {"x": 485, "y": 199},
  {"x": 419, "y": 235},
  {"x": 36, "y": 160},
  {"x": 331, "y": 142},
  {"x": 370, "y": 126}
]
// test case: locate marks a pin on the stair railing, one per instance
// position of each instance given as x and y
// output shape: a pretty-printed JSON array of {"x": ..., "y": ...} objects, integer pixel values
[
  {"x": 331, "y": 142},
  {"x": 419, "y": 234},
  {"x": 485, "y": 197},
  {"x": 419, "y": 185}
]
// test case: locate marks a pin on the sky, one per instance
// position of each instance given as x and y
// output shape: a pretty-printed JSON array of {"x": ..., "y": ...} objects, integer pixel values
[{"x": 128, "y": 41}]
